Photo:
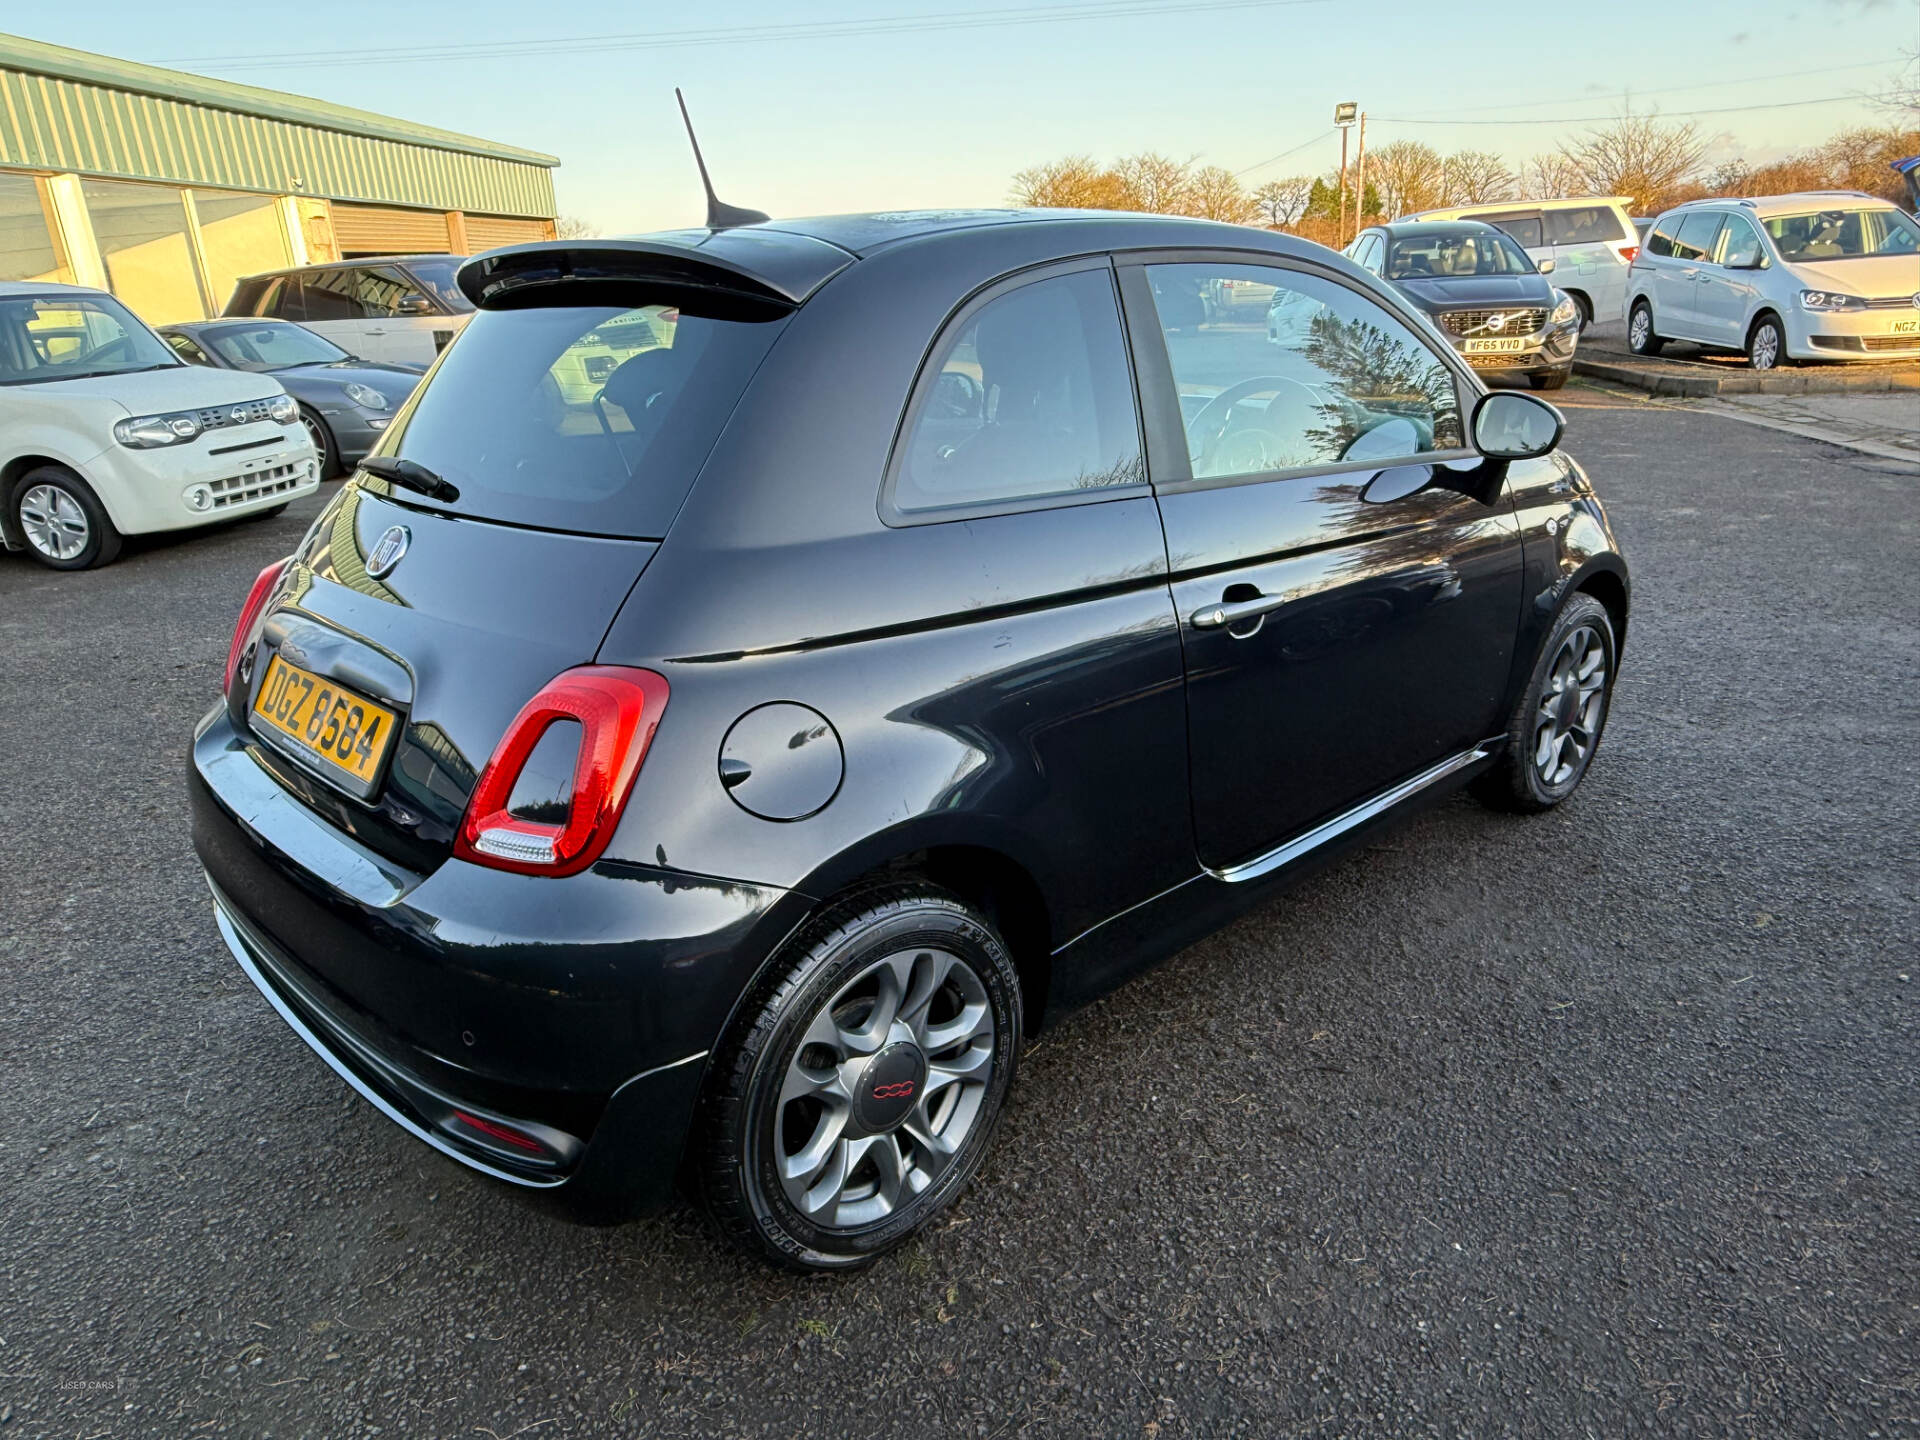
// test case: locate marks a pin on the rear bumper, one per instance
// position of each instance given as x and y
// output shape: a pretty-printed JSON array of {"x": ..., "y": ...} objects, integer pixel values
[{"x": 550, "y": 1034}]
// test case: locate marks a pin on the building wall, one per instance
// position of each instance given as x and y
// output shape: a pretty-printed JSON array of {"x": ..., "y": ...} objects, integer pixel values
[{"x": 166, "y": 188}]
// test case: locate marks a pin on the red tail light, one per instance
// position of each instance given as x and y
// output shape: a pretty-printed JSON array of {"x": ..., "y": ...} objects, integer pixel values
[
  {"x": 250, "y": 617},
  {"x": 1629, "y": 253},
  {"x": 617, "y": 709}
]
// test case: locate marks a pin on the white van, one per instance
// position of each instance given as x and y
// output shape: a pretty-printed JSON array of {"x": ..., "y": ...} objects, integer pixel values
[
  {"x": 1823, "y": 275},
  {"x": 1590, "y": 239},
  {"x": 105, "y": 432},
  {"x": 396, "y": 309}
]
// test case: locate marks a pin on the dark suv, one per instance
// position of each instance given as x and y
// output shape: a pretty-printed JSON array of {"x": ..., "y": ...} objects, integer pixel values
[{"x": 764, "y": 675}]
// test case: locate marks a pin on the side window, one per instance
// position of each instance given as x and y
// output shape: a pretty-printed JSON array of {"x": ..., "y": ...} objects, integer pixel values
[
  {"x": 1333, "y": 378},
  {"x": 1739, "y": 244},
  {"x": 1583, "y": 225},
  {"x": 331, "y": 295},
  {"x": 1028, "y": 397},
  {"x": 1660, "y": 238},
  {"x": 279, "y": 299},
  {"x": 187, "y": 350},
  {"x": 380, "y": 291},
  {"x": 1526, "y": 229},
  {"x": 1697, "y": 232}
]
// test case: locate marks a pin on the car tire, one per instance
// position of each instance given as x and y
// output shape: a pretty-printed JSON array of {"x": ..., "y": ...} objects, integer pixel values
[
  {"x": 1585, "y": 307},
  {"x": 1557, "y": 723},
  {"x": 1551, "y": 380},
  {"x": 1641, "y": 337},
  {"x": 820, "y": 1144},
  {"x": 62, "y": 521},
  {"x": 1767, "y": 344},
  {"x": 322, "y": 436}
]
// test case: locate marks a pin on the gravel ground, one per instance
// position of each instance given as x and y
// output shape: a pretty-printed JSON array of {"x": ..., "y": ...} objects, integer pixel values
[{"x": 1597, "y": 1124}]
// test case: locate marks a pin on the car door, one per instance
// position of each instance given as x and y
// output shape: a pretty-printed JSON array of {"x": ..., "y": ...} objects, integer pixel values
[
  {"x": 1585, "y": 258},
  {"x": 1725, "y": 291},
  {"x": 397, "y": 313},
  {"x": 1337, "y": 640},
  {"x": 329, "y": 304},
  {"x": 1676, "y": 294}
]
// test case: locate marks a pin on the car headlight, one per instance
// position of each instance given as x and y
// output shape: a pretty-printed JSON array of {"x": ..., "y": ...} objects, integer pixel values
[
  {"x": 283, "y": 408},
  {"x": 1830, "y": 300},
  {"x": 150, "y": 432},
  {"x": 1565, "y": 312},
  {"x": 366, "y": 397}
]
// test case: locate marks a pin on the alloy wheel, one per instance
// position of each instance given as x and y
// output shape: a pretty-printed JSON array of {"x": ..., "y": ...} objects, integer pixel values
[
  {"x": 1573, "y": 702},
  {"x": 53, "y": 522},
  {"x": 314, "y": 432},
  {"x": 1766, "y": 348},
  {"x": 1639, "y": 328},
  {"x": 884, "y": 1088}
]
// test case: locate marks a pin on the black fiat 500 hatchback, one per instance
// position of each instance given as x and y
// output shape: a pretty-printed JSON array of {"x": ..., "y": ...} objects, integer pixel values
[{"x": 766, "y": 674}]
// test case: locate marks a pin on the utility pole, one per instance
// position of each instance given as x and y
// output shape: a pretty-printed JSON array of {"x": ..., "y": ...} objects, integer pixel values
[
  {"x": 1343, "y": 116},
  {"x": 1360, "y": 186}
]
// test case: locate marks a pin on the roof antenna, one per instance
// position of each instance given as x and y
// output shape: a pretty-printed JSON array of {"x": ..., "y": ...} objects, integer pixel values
[{"x": 720, "y": 215}]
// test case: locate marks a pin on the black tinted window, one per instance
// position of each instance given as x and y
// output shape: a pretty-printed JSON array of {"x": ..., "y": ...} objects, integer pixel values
[
  {"x": 380, "y": 291},
  {"x": 1029, "y": 397},
  {"x": 1527, "y": 229},
  {"x": 1660, "y": 238},
  {"x": 331, "y": 295},
  {"x": 282, "y": 299},
  {"x": 1326, "y": 377},
  {"x": 1584, "y": 225},
  {"x": 590, "y": 418},
  {"x": 435, "y": 275}
]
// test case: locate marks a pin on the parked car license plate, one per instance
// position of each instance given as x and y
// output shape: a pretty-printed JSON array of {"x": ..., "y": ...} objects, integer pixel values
[
  {"x": 326, "y": 721},
  {"x": 1495, "y": 347},
  {"x": 1907, "y": 327}
]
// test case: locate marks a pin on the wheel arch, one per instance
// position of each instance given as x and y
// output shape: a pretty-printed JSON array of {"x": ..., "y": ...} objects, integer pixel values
[
  {"x": 1608, "y": 584},
  {"x": 10, "y": 474}
]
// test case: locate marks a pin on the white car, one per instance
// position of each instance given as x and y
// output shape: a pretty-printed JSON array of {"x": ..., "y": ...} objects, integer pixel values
[
  {"x": 1825, "y": 275},
  {"x": 105, "y": 432},
  {"x": 1590, "y": 239}
]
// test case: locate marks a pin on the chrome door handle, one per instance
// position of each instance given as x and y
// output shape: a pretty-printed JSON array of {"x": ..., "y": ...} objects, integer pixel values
[{"x": 1212, "y": 617}]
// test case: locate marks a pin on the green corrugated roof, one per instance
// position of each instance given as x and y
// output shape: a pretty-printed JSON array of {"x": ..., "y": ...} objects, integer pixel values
[{"x": 57, "y": 61}]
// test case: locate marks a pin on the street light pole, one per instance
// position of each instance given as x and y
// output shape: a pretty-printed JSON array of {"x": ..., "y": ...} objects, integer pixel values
[{"x": 1344, "y": 115}]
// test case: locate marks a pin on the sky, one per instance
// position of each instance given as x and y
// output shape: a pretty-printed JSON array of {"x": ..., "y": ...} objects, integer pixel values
[{"x": 891, "y": 104}]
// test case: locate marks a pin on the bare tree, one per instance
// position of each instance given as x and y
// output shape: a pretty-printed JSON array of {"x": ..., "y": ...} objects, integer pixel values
[
  {"x": 1215, "y": 193},
  {"x": 1472, "y": 177},
  {"x": 1552, "y": 177},
  {"x": 572, "y": 227},
  {"x": 1075, "y": 183},
  {"x": 1154, "y": 182},
  {"x": 1408, "y": 174},
  {"x": 1282, "y": 201},
  {"x": 1640, "y": 156}
]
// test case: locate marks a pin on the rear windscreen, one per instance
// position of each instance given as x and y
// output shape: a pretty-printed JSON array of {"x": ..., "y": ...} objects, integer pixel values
[{"x": 587, "y": 418}]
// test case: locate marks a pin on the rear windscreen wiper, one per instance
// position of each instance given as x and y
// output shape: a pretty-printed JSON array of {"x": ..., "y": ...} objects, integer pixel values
[{"x": 414, "y": 477}]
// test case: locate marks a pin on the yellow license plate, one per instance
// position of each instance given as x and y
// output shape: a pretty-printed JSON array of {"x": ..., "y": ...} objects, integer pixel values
[
  {"x": 1906, "y": 327},
  {"x": 325, "y": 720}
]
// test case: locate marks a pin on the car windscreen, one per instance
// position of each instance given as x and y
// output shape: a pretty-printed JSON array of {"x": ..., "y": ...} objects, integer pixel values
[
  {"x": 72, "y": 337},
  {"x": 593, "y": 419},
  {"x": 437, "y": 275},
  {"x": 1843, "y": 234},
  {"x": 1443, "y": 255},
  {"x": 271, "y": 346}
]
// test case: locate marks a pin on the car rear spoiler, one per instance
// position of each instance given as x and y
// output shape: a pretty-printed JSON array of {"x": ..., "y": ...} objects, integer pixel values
[{"x": 746, "y": 272}]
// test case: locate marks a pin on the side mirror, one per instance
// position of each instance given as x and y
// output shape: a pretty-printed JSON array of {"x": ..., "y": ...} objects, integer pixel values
[
  {"x": 1545, "y": 267},
  {"x": 414, "y": 305},
  {"x": 1512, "y": 425}
]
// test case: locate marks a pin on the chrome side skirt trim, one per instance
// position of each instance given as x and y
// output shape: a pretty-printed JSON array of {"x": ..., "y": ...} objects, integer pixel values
[{"x": 1339, "y": 825}]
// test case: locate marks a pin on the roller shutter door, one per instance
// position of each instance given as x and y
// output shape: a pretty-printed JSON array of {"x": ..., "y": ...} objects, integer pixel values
[
  {"x": 486, "y": 232},
  {"x": 387, "y": 230}
]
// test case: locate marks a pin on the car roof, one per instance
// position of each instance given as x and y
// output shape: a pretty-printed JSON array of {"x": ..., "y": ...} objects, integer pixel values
[
  {"x": 1798, "y": 203},
  {"x": 357, "y": 260},
  {"x": 45, "y": 287},
  {"x": 221, "y": 322},
  {"x": 1404, "y": 229},
  {"x": 787, "y": 260},
  {"x": 1566, "y": 202}
]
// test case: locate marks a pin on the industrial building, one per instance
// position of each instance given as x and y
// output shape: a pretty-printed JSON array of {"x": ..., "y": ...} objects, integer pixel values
[{"x": 165, "y": 187}]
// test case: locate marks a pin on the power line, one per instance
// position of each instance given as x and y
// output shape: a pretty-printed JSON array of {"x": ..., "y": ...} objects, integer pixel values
[
  {"x": 1646, "y": 115},
  {"x": 1283, "y": 154},
  {"x": 741, "y": 35},
  {"x": 1682, "y": 89}
]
